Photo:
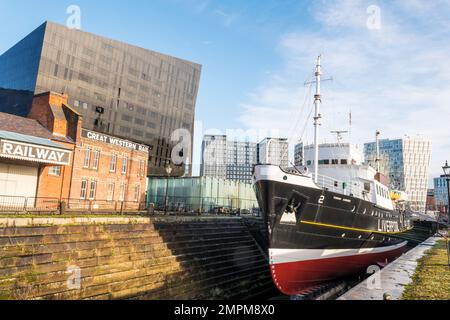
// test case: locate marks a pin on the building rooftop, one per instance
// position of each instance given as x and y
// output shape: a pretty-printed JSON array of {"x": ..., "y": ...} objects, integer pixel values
[
  {"x": 27, "y": 126},
  {"x": 17, "y": 124},
  {"x": 17, "y": 137}
]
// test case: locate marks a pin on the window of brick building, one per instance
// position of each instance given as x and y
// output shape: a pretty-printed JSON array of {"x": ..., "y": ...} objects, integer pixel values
[
  {"x": 110, "y": 194},
  {"x": 93, "y": 190},
  {"x": 54, "y": 171},
  {"x": 122, "y": 191},
  {"x": 125, "y": 165},
  {"x": 137, "y": 192},
  {"x": 84, "y": 183},
  {"x": 87, "y": 158},
  {"x": 96, "y": 159},
  {"x": 141, "y": 171},
  {"x": 113, "y": 163}
]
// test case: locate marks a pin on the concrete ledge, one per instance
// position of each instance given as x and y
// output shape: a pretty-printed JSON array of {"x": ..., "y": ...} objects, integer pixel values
[
  {"x": 392, "y": 279},
  {"x": 61, "y": 221}
]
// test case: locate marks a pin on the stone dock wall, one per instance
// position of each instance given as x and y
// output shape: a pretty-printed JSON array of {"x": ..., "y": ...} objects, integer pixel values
[{"x": 126, "y": 258}]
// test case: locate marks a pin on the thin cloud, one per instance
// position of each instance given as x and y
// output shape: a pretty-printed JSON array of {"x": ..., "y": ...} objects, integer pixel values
[{"x": 228, "y": 18}]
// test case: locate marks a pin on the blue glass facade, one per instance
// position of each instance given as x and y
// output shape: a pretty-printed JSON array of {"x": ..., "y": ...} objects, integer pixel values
[
  {"x": 393, "y": 151},
  {"x": 18, "y": 73},
  {"x": 440, "y": 191}
]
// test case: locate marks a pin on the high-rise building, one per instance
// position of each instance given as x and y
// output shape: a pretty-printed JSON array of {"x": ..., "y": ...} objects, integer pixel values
[
  {"x": 441, "y": 191},
  {"x": 214, "y": 156},
  {"x": 409, "y": 160},
  {"x": 274, "y": 151},
  {"x": 226, "y": 159},
  {"x": 119, "y": 89},
  {"x": 299, "y": 154}
]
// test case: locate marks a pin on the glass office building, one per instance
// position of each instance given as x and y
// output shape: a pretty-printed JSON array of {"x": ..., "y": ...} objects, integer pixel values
[
  {"x": 143, "y": 95},
  {"x": 408, "y": 166},
  {"x": 441, "y": 191}
]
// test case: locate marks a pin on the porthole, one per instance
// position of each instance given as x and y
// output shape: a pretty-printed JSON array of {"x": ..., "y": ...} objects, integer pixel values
[{"x": 285, "y": 178}]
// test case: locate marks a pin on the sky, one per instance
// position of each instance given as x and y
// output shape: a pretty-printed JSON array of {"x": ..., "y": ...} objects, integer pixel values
[{"x": 389, "y": 61}]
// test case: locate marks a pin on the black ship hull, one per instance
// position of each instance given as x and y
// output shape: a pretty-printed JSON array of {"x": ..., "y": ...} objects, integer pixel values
[{"x": 317, "y": 236}]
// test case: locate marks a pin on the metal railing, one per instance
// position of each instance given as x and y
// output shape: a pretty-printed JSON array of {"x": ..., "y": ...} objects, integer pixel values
[
  {"x": 155, "y": 205},
  {"x": 348, "y": 188},
  {"x": 41, "y": 205}
]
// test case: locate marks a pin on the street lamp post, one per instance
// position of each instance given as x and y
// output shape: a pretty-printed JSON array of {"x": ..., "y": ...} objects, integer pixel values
[
  {"x": 168, "y": 171},
  {"x": 446, "y": 169}
]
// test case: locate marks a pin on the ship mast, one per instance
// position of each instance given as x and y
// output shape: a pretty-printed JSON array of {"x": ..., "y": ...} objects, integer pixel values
[
  {"x": 317, "y": 117},
  {"x": 377, "y": 146}
]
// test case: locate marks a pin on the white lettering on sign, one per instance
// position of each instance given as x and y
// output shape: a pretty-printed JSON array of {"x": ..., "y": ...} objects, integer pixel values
[
  {"x": 114, "y": 141},
  {"x": 34, "y": 152}
]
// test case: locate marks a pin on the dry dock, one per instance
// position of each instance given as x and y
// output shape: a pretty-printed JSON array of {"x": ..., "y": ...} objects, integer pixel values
[{"x": 132, "y": 258}]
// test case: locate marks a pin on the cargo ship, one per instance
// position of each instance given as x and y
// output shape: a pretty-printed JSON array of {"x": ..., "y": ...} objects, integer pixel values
[{"x": 323, "y": 227}]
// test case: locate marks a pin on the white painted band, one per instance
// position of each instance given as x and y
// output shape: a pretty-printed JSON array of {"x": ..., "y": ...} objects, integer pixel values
[{"x": 278, "y": 256}]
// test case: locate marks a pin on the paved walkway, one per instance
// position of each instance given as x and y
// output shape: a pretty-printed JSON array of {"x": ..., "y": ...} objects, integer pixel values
[{"x": 392, "y": 279}]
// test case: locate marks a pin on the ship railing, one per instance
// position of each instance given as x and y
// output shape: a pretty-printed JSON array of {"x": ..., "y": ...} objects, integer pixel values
[{"x": 348, "y": 188}]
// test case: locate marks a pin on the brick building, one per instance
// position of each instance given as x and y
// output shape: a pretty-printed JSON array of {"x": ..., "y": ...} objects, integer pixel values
[
  {"x": 109, "y": 168},
  {"x": 95, "y": 168},
  {"x": 33, "y": 162}
]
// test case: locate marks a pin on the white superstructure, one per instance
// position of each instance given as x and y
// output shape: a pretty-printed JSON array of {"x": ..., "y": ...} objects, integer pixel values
[{"x": 342, "y": 170}]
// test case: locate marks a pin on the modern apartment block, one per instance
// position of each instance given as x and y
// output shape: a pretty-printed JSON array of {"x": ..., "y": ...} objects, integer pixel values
[
  {"x": 274, "y": 151},
  {"x": 226, "y": 159},
  {"x": 214, "y": 156},
  {"x": 409, "y": 160},
  {"x": 119, "y": 89}
]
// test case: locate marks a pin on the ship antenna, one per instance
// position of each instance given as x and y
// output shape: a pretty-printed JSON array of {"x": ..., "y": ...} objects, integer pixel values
[
  {"x": 350, "y": 126},
  {"x": 339, "y": 135}
]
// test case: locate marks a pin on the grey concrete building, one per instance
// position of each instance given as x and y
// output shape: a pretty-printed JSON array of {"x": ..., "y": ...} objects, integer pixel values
[
  {"x": 226, "y": 159},
  {"x": 274, "y": 151},
  {"x": 299, "y": 155},
  {"x": 120, "y": 89}
]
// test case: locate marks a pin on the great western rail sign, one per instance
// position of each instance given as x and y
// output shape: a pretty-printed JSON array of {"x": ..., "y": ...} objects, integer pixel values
[
  {"x": 33, "y": 152},
  {"x": 95, "y": 136}
]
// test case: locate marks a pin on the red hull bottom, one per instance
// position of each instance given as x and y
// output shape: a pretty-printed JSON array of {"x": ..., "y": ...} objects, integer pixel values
[{"x": 295, "y": 277}]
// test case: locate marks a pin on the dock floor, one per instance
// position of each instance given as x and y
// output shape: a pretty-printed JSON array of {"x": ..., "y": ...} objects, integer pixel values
[{"x": 392, "y": 279}]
